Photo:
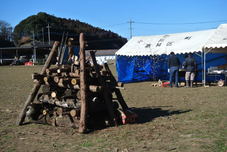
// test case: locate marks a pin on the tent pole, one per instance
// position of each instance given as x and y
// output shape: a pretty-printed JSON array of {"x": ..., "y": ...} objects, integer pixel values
[
  {"x": 204, "y": 69},
  {"x": 204, "y": 63},
  {"x": 1, "y": 57},
  {"x": 201, "y": 56},
  {"x": 17, "y": 53},
  {"x": 34, "y": 55},
  {"x": 202, "y": 66}
]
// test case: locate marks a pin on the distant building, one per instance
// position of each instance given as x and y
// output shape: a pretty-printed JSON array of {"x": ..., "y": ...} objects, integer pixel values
[{"x": 103, "y": 56}]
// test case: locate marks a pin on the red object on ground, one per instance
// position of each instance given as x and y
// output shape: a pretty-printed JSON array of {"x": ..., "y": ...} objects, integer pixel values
[
  {"x": 165, "y": 84},
  {"x": 30, "y": 63},
  {"x": 128, "y": 117}
]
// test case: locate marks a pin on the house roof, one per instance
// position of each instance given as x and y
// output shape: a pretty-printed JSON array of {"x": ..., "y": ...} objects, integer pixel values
[{"x": 178, "y": 42}]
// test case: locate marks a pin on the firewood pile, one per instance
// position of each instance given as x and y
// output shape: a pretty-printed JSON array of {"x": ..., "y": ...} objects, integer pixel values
[{"x": 82, "y": 93}]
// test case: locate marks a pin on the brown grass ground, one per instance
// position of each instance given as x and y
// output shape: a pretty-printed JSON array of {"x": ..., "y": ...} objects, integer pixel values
[{"x": 170, "y": 119}]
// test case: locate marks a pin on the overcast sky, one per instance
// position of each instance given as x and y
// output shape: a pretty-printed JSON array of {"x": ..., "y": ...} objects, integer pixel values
[{"x": 151, "y": 17}]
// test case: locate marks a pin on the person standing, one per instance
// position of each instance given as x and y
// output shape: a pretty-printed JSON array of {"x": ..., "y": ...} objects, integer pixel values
[
  {"x": 190, "y": 66},
  {"x": 173, "y": 64}
]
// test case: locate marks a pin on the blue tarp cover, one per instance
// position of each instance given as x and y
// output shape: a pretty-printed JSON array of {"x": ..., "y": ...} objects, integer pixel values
[{"x": 142, "y": 68}]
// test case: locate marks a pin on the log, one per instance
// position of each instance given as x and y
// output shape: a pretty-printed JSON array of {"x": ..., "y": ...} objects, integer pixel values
[
  {"x": 76, "y": 62},
  {"x": 53, "y": 94},
  {"x": 45, "y": 89},
  {"x": 75, "y": 74},
  {"x": 49, "y": 80},
  {"x": 64, "y": 74},
  {"x": 94, "y": 88},
  {"x": 59, "y": 112},
  {"x": 75, "y": 81},
  {"x": 116, "y": 90},
  {"x": 52, "y": 70},
  {"x": 36, "y": 87},
  {"x": 60, "y": 70},
  {"x": 120, "y": 84},
  {"x": 37, "y": 76},
  {"x": 106, "y": 92},
  {"x": 70, "y": 49},
  {"x": 103, "y": 73},
  {"x": 83, "y": 87},
  {"x": 78, "y": 95},
  {"x": 48, "y": 72},
  {"x": 46, "y": 80},
  {"x": 77, "y": 87},
  {"x": 75, "y": 112},
  {"x": 62, "y": 83},
  {"x": 56, "y": 79}
]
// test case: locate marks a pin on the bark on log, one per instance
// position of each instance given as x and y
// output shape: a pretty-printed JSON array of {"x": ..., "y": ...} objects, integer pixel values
[
  {"x": 36, "y": 87},
  {"x": 83, "y": 87}
]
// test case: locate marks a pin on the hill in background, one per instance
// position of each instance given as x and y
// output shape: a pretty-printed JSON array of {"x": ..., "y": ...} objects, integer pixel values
[{"x": 97, "y": 38}]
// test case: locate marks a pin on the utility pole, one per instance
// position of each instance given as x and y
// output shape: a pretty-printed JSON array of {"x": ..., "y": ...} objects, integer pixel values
[
  {"x": 34, "y": 48},
  {"x": 43, "y": 34},
  {"x": 48, "y": 27},
  {"x": 130, "y": 27}
]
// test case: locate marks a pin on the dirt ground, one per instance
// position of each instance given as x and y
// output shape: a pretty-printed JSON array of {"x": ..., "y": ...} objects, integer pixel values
[{"x": 170, "y": 119}]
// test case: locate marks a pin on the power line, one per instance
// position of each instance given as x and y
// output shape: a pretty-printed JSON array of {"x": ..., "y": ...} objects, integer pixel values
[
  {"x": 166, "y": 23},
  {"x": 112, "y": 25},
  {"x": 181, "y": 23},
  {"x": 130, "y": 22}
]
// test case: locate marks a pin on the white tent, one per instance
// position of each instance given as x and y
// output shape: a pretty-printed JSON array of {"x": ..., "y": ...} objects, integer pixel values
[
  {"x": 218, "y": 41},
  {"x": 213, "y": 40}
]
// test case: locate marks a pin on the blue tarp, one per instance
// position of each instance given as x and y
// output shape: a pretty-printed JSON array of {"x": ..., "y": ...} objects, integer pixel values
[
  {"x": 66, "y": 54},
  {"x": 143, "y": 68}
]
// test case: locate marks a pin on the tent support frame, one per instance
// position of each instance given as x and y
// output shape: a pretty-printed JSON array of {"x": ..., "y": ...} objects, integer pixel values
[{"x": 204, "y": 65}]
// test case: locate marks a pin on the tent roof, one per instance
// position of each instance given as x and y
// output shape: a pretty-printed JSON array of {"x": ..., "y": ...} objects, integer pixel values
[
  {"x": 218, "y": 39},
  {"x": 178, "y": 42}
]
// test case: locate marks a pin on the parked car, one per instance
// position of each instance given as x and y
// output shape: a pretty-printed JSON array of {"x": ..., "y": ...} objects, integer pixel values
[{"x": 21, "y": 61}]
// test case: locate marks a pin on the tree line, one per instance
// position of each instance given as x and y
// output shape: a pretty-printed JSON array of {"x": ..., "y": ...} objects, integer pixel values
[{"x": 35, "y": 26}]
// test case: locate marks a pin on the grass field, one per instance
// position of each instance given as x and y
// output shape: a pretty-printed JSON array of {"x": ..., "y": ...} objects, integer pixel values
[{"x": 170, "y": 119}]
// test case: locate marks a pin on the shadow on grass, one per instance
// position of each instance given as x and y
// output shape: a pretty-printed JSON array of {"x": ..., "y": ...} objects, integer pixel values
[{"x": 147, "y": 114}]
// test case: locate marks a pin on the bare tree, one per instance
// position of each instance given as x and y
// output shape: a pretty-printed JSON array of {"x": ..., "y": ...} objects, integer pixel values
[{"x": 5, "y": 31}]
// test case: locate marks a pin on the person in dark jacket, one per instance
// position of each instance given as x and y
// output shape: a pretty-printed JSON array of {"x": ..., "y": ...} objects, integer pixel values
[
  {"x": 173, "y": 64},
  {"x": 190, "y": 66}
]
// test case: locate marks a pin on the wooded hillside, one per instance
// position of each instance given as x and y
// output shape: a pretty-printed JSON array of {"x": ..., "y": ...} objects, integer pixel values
[{"x": 97, "y": 38}]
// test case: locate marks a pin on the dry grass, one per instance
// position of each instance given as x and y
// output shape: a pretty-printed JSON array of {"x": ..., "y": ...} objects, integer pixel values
[{"x": 170, "y": 119}]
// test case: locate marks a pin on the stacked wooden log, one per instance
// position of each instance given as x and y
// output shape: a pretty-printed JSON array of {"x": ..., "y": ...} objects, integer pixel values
[{"x": 84, "y": 92}]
